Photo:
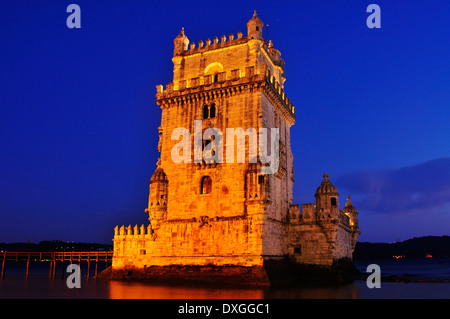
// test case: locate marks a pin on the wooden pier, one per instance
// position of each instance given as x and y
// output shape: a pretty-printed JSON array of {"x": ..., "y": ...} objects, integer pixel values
[{"x": 73, "y": 257}]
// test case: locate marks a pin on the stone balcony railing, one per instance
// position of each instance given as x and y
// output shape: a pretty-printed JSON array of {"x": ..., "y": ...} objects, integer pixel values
[{"x": 223, "y": 80}]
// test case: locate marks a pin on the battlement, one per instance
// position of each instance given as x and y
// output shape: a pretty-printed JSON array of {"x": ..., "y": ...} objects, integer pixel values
[
  {"x": 133, "y": 232},
  {"x": 213, "y": 45},
  {"x": 308, "y": 206},
  {"x": 231, "y": 79},
  {"x": 278, "y": 89},
  {"x": 216, "y": 44}
]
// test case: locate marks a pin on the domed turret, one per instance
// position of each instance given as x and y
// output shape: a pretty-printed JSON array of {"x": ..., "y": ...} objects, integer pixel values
[
  {"x": 157, "y": 199},
  {"x": 158, "y": 176},
  {"x": 327, "y": 199},
  {"x": 326, "y": 187},
  {"x": 181, "y": 43},
  {"x": 254, "y": 28},
  {"x": 352, "y": 213}
]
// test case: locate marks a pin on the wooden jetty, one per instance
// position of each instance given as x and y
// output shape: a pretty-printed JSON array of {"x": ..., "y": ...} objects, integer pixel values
[{"x": 72, "y": 257}]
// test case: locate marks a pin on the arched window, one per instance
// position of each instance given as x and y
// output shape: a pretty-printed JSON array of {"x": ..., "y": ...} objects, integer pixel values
[
  {"x": 216, "y": 78},
  {"x": 205, "y": 185},
  {"x": 205, "y": 112},
  {"x": 214, "y": 68},
  {"x": 212, "y": 111}
]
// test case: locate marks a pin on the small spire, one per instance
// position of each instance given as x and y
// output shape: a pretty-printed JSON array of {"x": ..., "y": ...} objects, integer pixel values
[
  {"x": 349, "y": 203},
  {"x": 325, "y": 176},
  {"x": 254, "y": 14},
  {"x": 181, "y": 33}
]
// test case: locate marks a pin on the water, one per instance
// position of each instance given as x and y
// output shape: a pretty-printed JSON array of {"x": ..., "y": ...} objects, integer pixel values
[
  {"x": 38, "y": 285},
  {"x": 425, "y": 269}
]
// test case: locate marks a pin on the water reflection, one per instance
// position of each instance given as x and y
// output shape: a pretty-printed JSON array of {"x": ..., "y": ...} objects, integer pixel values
[
  {"x": 42, "y": 287},
  {"x": 123, "y": 290},
  {"x": 15, "y": 285},
  {"x": 134, "y": 290}
]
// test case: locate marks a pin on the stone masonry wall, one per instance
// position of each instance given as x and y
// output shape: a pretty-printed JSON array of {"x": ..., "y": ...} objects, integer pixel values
[{"x": 221, "y": 241}]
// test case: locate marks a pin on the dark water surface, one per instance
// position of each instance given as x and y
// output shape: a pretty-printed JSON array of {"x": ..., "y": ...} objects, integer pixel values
[
  {"x": 425, "y": 269},
  {"x": 39, "y": 285}
]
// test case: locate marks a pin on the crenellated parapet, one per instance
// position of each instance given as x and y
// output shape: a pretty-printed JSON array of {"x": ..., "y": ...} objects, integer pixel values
[
  {"x": 277, "y": 90},
  {"x": 133, "y": 233},
  {"x": 214, "y": 44}
]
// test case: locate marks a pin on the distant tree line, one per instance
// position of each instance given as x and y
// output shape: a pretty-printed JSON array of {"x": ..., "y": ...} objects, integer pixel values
[{"x": 418, "y": 247}]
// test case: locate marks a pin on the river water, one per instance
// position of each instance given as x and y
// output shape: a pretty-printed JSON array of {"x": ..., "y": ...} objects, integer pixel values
[{"x": 40, "y": 286}]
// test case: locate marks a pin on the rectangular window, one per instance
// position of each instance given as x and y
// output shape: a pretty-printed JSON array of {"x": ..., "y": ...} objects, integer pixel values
[
  {"x": 249, "y": 71},
  {"x": 235, "y": 74},
  {"x": 195, "y": 82},
  {"x": 333, "y": 201},
  {"x": 261, "y": 179}
]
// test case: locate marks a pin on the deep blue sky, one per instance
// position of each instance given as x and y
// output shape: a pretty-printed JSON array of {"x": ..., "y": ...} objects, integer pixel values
[{"x": 79, "y": 123}]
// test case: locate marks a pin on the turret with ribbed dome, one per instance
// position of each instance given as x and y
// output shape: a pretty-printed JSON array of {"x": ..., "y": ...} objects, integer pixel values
[
  {"x": 352, "y": 213},
  {"x": 327, "y": 199},
  {"x": 326, "y": 187},
  {"x": 254, "y": 27},
  {"x": 157, "y": 200},
  {"x": 158, "y": 176},
  {"x": 181, "y": 43}
]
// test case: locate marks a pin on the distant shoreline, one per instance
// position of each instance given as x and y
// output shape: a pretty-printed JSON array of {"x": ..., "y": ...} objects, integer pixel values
[
  {"x": 418, "y": 247},
  {"x": 406, "y": 279},
  {"x": 412, "y": 270},
  {"x": 54, "y": 246}
]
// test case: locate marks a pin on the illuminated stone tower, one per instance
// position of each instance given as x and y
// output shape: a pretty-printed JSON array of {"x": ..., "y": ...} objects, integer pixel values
[
  {"x": 231, "y": 83},
  {"x": 221, "y": 194}
]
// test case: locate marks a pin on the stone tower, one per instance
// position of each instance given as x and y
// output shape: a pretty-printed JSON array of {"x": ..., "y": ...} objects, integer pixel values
[
  {"x": 233, "y": 84},
  {"x": 221, "y": 194}
]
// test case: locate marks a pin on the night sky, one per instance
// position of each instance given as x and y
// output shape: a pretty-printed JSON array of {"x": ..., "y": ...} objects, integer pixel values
[{"x": 79, "y": 119}]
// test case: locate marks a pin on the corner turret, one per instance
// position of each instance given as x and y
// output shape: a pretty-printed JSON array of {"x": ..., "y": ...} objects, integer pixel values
[
  {"x": 327, "y": 199},
  {"x": 181, "y": 43},
  {"x": 157, "y": 201},
  {"x": 254, "y": 28},
  {"x": 352, "y": 213}
]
